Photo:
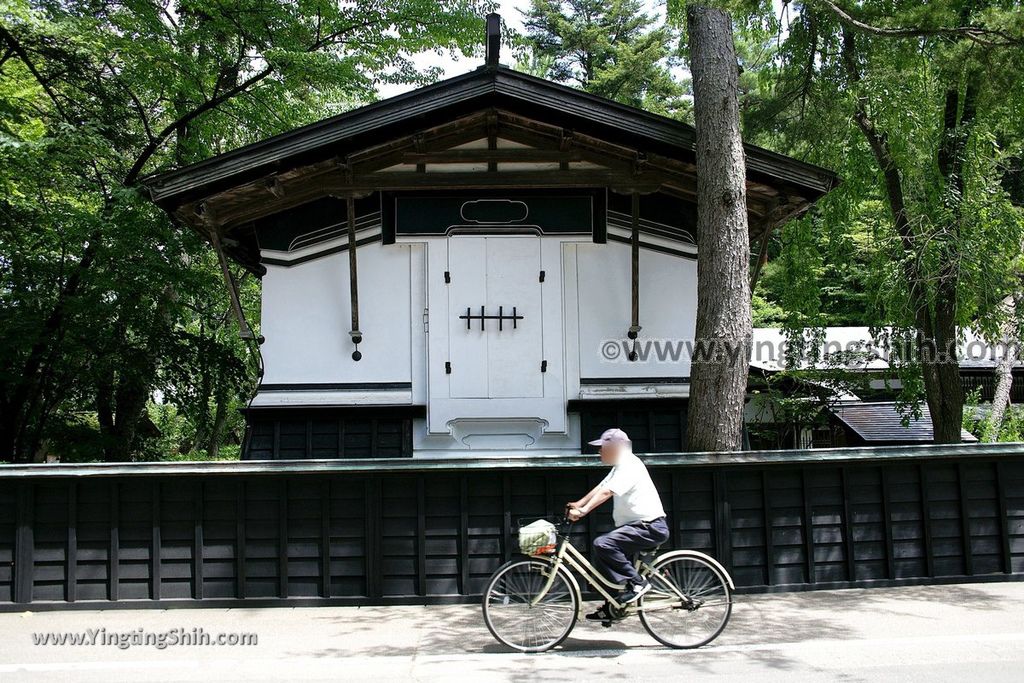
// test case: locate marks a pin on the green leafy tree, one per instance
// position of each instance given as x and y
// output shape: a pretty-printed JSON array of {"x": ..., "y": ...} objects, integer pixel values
[
  {"x": 918, "y": 106},
  {"x": 104, "y": 304}
]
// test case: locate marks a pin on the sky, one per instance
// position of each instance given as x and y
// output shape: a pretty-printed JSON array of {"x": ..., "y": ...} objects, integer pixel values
[{"x": 511, "y": 12}]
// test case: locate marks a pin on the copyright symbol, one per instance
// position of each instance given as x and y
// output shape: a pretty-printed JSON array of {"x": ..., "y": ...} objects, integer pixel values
[{"x": 610, "y": 350}]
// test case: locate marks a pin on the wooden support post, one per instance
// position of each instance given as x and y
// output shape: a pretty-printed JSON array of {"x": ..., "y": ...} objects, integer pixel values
[
  {"x": 353, "y": 279},
  {"x": 244, "y": 331},
  {"x": 634, "y": 328}
]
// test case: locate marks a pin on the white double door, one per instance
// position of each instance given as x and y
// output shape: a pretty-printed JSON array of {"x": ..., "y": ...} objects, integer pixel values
[{"x": 495, "y": 325}]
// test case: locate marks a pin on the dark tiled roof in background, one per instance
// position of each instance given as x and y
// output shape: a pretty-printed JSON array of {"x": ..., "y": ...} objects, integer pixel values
[{"x": 881, "y": 422}]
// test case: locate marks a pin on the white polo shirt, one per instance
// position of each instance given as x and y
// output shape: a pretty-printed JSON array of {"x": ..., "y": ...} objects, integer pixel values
[{"x": 635, "y": 498}]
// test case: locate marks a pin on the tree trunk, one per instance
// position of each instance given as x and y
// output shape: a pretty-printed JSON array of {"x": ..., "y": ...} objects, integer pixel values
[
  {"x": 1004, "y": 369},
  {"x": 718, "y": 386},
  {"x": 935, "y": 313}
]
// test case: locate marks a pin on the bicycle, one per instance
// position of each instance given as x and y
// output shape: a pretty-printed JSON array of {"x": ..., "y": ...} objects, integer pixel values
[{"x": 532, "y": 603}]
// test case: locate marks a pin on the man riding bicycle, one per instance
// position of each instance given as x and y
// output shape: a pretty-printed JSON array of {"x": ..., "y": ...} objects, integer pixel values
[{"x": 637, "y": 512}]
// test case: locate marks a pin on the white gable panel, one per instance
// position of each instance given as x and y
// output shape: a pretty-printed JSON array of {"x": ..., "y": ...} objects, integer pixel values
[
  {"x": 307, "y": 317},
  {"x": 668, "y": 295}
]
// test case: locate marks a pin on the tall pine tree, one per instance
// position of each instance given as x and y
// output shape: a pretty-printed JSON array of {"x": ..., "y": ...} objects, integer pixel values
[{"x": 612, "y": 49}]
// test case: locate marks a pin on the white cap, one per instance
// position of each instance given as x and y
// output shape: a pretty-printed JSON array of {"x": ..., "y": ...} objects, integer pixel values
[{"x": 613, "y": 435}]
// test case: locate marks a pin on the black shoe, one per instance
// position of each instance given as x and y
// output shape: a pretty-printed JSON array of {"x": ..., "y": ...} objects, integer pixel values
[
  {"x": 634, "y": 592},
  {"x": 602, "y": 614}
]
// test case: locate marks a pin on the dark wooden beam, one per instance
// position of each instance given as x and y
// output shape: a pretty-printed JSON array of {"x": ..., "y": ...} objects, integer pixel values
[
  {"x": 239, "y": 209},
  {"x": 468, "y": 156}
]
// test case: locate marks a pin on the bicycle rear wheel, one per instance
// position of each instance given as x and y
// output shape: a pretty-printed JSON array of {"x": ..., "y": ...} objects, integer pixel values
[
  {"x": 515, "y": 621},
  {"x": 689, "y": 603}
]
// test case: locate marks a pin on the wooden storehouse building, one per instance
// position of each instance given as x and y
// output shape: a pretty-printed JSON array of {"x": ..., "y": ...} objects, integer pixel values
[{"x": 462, "y": 268}]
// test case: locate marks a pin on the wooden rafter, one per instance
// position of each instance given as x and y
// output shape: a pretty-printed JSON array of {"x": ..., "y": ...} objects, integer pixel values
[{"x": 622, "y": 169}]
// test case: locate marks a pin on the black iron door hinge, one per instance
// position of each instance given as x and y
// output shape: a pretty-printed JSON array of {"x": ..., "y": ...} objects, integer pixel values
[{"x": 447, "y": 367}]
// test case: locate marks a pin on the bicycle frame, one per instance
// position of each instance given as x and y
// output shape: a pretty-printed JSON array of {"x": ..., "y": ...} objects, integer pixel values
[{"x": 568, "y": 555}]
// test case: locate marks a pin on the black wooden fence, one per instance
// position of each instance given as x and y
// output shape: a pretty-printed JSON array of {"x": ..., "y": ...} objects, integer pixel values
[{"x": 419, "y": 530}]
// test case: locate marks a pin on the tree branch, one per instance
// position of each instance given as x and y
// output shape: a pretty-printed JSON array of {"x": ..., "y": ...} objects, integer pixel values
[
  {"x": 978, "y": 34},
  {"x": 150, "y": 149},
  {"x": 22, "y": 53}
]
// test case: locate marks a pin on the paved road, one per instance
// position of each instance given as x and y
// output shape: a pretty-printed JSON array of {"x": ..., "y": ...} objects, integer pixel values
[{"x": 932, "y": 633}]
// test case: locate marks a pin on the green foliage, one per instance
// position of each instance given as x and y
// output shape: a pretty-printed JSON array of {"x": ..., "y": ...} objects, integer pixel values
[
  {"x": 978, "y": 420},
  {"x": 613, "y": 49},
  {"x": 118, "y": 339},
  {"x": 960, "y": 252}
]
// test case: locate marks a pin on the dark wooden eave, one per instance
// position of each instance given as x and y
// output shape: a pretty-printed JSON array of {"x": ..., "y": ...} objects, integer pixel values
[
  {"x": 356, "y": 153},
  {"x": 486, "y": 87}
]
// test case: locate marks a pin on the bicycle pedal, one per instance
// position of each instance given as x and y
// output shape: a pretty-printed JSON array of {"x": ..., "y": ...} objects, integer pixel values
[{"x": 606, "y": 624}]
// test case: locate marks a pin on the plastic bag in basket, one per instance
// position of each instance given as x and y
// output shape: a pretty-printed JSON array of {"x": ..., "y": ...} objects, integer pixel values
[{"x": 537, "y": 537}]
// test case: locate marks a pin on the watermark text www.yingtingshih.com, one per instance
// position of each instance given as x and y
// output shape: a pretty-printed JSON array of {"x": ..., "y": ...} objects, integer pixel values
[
  {"x": 848, "y": 354},
  {"x": 161, "y": 640}
]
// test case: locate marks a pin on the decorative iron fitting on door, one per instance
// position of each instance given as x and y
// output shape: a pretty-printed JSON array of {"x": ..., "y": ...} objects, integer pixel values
[{"x": 483, "y": 316}]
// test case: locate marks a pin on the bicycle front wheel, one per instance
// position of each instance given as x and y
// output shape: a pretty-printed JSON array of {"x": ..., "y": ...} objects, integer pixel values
[
  {"x": 519, "y": 616},
  {"x": 689, "y": 604}
]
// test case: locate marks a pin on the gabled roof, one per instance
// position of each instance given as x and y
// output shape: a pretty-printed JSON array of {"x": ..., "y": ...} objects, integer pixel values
[
  {"x": 882, "y": 423},
  {"x": 489, "y": 86}
]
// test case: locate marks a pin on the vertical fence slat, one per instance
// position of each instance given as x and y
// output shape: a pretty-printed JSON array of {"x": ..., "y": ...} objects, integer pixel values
[
  {"x": 926, "y": 520},
  {"x": 851, "y": 558},
  {"x": 965, "y": 520},
  {"x": 421, "y": 537},
  {"x": 282, "y": 539},
  {"x": 325, "y": 538},
  {"x": 769, "y": 548},
  {"x": 373, "y": 560},
  {"x": 677, "y": 512},
  {"x": 463, "y": 536},
  {"x": 812, "y": 577},
  {"x": 887, "y": 526},
  {"x": 114, "y": 554},
  {"x": 506, "y": 505},
  {"x": 1004, "y": 520},
  {"x": 723, "y": 518},
  {"x": 197, "y": 539},
  {"x": 240, "y": 537},
  {"x": 71, "y": 554},
  {"x": 155, "y": 543},
  {"x": 24, "y": 543}
]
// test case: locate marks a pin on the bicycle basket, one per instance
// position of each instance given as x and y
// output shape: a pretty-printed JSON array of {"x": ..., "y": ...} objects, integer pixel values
[{"x": 537, "y": 538}]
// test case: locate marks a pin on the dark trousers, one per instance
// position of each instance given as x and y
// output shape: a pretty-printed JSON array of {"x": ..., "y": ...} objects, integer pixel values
[{"x": 612, "y": 550}]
